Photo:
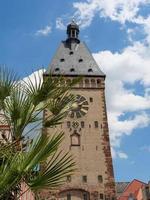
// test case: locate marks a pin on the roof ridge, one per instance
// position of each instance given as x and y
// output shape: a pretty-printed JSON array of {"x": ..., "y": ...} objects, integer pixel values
[{"x": 140, "y": 181}]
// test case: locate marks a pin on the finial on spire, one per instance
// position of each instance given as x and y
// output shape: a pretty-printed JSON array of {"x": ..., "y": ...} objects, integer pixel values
[{"x": 73, "y": 20}]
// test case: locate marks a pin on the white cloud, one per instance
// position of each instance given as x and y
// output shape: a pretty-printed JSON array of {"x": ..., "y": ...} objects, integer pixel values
[
  {"x": 131, "y": 66},
  {"x": 122, "y": 155},
  {"x": 130, "y": 33},
  {"x": 59, "y": 24},
  {"x": 44, "y": 32},
  {"x": 120, "y": 128},
  {"x": 120, "y": 10},
  {"x": 118, "y": 154},
  {"x": 36, "y": 78}
]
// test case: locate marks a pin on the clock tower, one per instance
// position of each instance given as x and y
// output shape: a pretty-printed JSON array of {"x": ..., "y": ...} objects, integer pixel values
[{"x": 86, "y": 127}]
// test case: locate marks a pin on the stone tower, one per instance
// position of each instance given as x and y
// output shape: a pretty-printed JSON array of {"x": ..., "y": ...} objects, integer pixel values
[{"x": 86, "y": 127}]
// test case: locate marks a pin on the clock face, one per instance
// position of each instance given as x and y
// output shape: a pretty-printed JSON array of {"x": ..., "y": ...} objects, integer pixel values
[{"x": 79, "y": 108}]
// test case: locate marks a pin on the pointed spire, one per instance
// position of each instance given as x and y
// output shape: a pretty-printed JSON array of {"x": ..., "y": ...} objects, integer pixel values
[{"x": 73, "y": 32}]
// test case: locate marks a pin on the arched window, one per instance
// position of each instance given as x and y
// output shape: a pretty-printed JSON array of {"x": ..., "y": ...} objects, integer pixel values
[
  {"x": 98, "y": 83},
  {"x": 75, "y": 139},
  {"x": 68, "y": 196},
  {"x": 81, "y": 83},
  {"x": 85, "y": 196},
  {"x": 73, "y": 33},
  {"x": 68, "y": 81},
  {"x": 93, "y": 83},
  {"x": 87, "y": 84},
  {"x": 101, "y": 196}
]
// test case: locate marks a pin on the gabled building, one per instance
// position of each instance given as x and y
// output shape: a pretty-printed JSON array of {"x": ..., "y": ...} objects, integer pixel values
[{"x": 135, "y": 190}]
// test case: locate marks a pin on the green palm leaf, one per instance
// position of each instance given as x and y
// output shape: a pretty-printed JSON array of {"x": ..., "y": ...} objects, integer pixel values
[
  {"x": 23, "y": 104},
  {"x": 21, "y": 165},
  {"x": 8, "y": 80}
]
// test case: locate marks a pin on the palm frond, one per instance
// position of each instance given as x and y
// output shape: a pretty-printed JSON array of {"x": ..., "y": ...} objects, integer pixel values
[
  {"x": 41, "y": 148},
  {"x": 23, "y": 104},
  {"x": 8, "y": 80},
  {"x": 50, "y": 88},
  {"x": 19, "y": 110},
  {"x": 21, "y": 165},
  {"x": 58, "y": 109},
  {"x": 54, "y": 174}
]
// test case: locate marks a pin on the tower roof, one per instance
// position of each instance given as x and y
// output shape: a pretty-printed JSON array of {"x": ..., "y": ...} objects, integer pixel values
[{"x": 73, "y": 58}]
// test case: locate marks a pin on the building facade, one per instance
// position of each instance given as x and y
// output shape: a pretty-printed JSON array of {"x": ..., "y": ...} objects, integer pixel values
[{"x": 86, "y": 127}]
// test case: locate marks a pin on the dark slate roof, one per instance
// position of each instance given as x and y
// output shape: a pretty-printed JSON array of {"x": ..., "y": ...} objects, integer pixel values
[
  {"x": 120, "y": 187},
  {"x": 73, "y": 58}
]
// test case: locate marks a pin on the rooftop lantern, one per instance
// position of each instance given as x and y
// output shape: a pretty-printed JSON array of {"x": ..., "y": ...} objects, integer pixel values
[{"x": 73, "y": 32}]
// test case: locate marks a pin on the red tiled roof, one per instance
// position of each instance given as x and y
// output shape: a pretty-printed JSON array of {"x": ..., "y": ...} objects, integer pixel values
[{"x": 133, "y": 188}]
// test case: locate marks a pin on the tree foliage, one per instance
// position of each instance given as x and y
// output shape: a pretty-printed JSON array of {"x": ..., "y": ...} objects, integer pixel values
[{"x": 22, "y": 103}]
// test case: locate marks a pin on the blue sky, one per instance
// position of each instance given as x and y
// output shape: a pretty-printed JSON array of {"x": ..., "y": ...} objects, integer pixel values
[{"x": 118, "y": 35}]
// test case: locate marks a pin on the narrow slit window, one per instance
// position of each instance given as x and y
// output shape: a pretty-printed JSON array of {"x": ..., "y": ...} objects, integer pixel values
[
  {"x": 100, "y": 178},
  {"x": 82, "y": 124},
  {"x": 84, "y": 179},
  {"x": 68, "y": 124},
  {"x": 68, "y": 178},
  {"x": 96, "y": 124},
  {"x": 91, "y": 99}
]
